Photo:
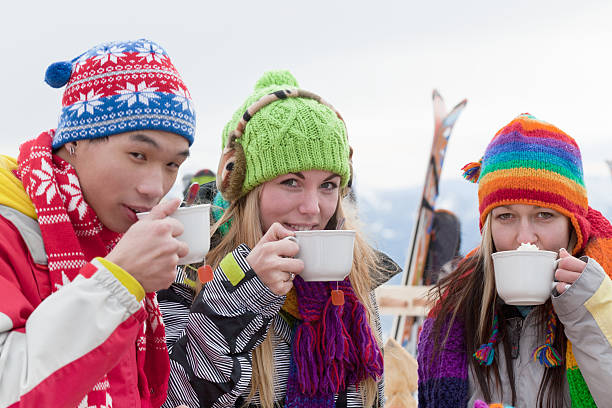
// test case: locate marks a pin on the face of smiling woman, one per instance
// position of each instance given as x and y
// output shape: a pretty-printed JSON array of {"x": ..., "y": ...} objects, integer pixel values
[
  {"x": 512, "y": 225},
  {"x": 300, "y": 201}
]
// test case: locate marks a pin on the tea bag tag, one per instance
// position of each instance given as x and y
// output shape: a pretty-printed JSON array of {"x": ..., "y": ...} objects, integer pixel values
[
  {"x": 205, "y": 273},
  {"x": 337, "y": 297}
]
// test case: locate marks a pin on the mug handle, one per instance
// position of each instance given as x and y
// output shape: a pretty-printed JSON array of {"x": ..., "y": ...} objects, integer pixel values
[
  {"x": 290, "y": 238},
  {"x": 554, "y": 282}
]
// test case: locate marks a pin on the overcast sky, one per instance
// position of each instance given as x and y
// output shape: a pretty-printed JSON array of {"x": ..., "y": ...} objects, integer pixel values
[{"x": 376, "y": 62}]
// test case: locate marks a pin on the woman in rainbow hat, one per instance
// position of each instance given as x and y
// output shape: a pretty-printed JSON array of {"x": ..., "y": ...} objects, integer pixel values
[
  {"x": 258, "y": 334},
  {"x": 476, "y": 348}
]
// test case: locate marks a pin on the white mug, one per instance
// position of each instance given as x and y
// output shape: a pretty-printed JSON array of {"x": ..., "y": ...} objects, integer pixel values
[
  {"x": 327, "y": 254},
  {"x": 525, "y": 277},
  {"x": 196, "y": 233}
]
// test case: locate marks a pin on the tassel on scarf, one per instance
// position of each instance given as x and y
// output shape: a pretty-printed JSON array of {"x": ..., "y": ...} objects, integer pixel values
[
  {"x": 367, "y": 352},
  {"x": 546, "y": 354},
  {"x": 306, "y": 361},
  {"x": 486, "y": 352},
  {"x": 334, "y": 346},
  {"x": 482, "y": 404}
]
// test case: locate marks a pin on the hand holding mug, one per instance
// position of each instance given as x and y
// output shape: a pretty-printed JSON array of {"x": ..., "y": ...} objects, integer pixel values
[
  {"x": 568, "y": 270},
  {"x": 272, "y": 259},
  {"x": 149, "y": 250}
]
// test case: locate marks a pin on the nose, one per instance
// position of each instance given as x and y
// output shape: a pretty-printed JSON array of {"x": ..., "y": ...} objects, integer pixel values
[
  {"x": 151, "y": 184},
  {"x": 310, "y": 203},
  {"x": 526, "y": 233}
]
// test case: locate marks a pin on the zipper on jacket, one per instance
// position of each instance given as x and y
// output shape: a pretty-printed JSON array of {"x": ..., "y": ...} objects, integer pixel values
[{"x": 514, "y": 325}]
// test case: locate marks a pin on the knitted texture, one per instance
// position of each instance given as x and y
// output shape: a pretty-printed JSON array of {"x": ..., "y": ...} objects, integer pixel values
[
  {"x": 532, "y": 162},
  {"x": 443, "y": 379},
  {"x": 333, "y": 347},
  {"x": 219, "y": 205},
  {"x": 120, "y": 87},
  {"x": 289, "y": 135},
  {"x": 73, "y": 234},
  {"x": 578, "y": 388}
]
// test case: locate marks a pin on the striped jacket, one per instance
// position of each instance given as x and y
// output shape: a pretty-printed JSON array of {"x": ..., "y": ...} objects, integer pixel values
[{"x": 211, "y": 341}]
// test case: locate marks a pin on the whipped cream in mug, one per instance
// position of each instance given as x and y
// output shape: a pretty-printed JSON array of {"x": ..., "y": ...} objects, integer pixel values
[{"x": 527, "y": 247}]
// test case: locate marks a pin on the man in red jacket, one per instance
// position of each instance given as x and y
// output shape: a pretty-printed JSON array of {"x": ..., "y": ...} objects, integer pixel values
[{"x": 79, "y": 321}]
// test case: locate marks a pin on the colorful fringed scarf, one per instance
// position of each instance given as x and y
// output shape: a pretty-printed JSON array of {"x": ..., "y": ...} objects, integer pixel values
[
  {"x": 443, "y": 382},
  {"x": 72, "y": 235},
  {"x": 333, "y": 347}
]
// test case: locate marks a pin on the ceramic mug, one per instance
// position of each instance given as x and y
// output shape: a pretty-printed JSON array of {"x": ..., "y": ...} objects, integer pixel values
[
  {"x": 525, "y": 277},
  {"x": 196, "y": 233},
  {"x": 327, "y": 254}
]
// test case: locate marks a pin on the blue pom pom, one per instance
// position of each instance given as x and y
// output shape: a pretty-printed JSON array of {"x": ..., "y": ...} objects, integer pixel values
[{"x": 58, "y": 74}]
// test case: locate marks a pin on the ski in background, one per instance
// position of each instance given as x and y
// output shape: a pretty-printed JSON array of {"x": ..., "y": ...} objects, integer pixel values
[{"x": 405, "y": 328}]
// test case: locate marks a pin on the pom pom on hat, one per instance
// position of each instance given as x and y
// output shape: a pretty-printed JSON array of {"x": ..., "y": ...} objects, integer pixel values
[
  {"x": 58, "y": 74},
  {"x": 471, "y": 171},
  {"x": 276, "y": 78}
]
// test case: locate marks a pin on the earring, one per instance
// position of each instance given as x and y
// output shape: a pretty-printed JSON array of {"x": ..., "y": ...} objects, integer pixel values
[{"x": 71, "y": 150}]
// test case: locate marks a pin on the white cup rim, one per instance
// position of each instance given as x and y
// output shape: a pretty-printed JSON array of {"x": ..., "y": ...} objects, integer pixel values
[
  {"x": 541, "y": 252},
  {"x": 326, "y": 232},
  {"x": 182, "y": 210}
]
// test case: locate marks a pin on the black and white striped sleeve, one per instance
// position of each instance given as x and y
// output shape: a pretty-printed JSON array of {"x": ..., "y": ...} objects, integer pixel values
[
  {"x": 210, "y": 364},
  {"x": 174, "y": 304}
]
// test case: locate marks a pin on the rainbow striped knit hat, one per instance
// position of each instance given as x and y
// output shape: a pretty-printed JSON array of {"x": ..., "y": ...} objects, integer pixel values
[
  {"x": 119, "y": 87},
  {"x": 532, "y": 162}
]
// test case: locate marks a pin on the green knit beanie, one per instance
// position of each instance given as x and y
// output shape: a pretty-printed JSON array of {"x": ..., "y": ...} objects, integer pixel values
[{"x": 289, "y": 135}]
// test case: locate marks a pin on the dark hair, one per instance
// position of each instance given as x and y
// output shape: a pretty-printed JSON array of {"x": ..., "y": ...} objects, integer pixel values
[
  {"x": 99, "y": 139},
  {"x": 460, "y": 296}
]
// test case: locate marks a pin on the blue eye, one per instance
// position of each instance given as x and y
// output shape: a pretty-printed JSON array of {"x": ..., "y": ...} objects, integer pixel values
[
  {"x": 290, "y": 182},
  {"x": 329, "y": 185},
  {"x": 545, "y": 215}
]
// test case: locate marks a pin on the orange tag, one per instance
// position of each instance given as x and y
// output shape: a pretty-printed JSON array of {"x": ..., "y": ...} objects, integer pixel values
[
  {"x": 337, "y": 297},
  {"x": 205, "y": 273}
]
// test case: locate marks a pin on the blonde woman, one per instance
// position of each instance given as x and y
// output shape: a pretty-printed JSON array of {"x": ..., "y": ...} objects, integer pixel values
[{"x": 257, "y": 334}]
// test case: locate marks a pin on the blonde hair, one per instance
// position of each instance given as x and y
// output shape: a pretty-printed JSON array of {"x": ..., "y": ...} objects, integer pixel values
[
  {"x": 365, "y": 274},
  {"x": 487, "y": 247}
]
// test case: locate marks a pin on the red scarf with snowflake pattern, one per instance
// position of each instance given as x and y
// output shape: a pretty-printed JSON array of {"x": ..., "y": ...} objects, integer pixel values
[{"x": 73, "y": 235}]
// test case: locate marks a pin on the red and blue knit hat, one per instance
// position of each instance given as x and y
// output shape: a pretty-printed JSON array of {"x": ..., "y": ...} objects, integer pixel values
[
  {"x": 119, "y": 87},
  {"x": 532, "y": 162}
]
